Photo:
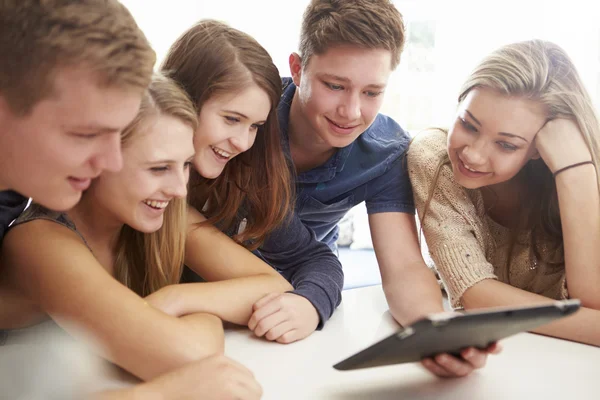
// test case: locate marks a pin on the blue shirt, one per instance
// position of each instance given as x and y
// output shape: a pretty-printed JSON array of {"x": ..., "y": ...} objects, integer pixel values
[{"x": 371, "y": 169}]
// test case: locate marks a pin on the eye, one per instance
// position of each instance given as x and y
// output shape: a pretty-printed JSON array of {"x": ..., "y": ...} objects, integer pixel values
[
  {"x": 507, "y": 146},
  {"x": 256, "y": 127},
  {"x": 333, "y": 86},
  {"x": 467, "y": 125},
  {"x": 231, "y": 120},
  {"x": 85, "y": 135},
  {"x": 370, "y": 93},
  {"x": 187, "y": 165},
  {"x": 160, "y": 169}
]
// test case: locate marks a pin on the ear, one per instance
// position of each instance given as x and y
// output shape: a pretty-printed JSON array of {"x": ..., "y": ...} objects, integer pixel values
[{"x": 295, "y": 62}]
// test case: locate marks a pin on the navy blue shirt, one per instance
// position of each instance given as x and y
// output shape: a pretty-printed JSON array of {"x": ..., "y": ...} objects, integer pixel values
[
  {"x": 12, "y": 205},
  {"x": 371, "y": 169}
]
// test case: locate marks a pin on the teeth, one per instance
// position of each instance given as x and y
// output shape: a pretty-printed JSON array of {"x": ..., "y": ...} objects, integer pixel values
[
  {"x": 156, "y": 204},
  {"x": 220, "y": 152},
  {"x": 469, "y": 168},
  {"x": 342, "y": 126}
]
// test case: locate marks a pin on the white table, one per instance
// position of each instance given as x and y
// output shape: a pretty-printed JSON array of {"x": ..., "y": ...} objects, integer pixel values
[{"x": 530, "y": 367}]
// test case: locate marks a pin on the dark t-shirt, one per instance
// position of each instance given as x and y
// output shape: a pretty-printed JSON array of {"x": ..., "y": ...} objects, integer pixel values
[{"x": 11, "y": 205}]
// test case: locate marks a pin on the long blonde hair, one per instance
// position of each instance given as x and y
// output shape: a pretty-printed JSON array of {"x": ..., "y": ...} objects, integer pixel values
[
  {"x": 542, "y": 72},
  {"x": 145, "y": 262}
]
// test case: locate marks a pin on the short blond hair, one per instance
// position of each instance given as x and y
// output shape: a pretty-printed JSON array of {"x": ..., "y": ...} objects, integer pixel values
[
  {"x": 372, "y": 24},
  {"x": 37, "y": 37}
]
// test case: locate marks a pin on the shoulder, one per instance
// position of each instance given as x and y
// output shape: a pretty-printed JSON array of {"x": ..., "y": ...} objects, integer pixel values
[
  {"x": 428, "y": 147},
  {"x": 386, "y": 131},
  {"x": 38, "y": 212}
]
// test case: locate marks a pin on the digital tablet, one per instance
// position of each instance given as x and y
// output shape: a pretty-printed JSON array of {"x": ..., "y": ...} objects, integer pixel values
[{"x": 451, "y": 332}]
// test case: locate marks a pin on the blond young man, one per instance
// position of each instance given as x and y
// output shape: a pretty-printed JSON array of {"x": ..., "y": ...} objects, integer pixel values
[
  {"x": 345, "y": 153},
  {"x": 71, "y": 78}
]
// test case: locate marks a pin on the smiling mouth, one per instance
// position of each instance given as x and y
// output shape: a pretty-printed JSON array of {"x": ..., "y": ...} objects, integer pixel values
[
  {"x": 468, "y": 168},
  {"x": 340, "y": 125},
  {"x": 222, "y": 154},
  {"x": 155, "y": 204}
]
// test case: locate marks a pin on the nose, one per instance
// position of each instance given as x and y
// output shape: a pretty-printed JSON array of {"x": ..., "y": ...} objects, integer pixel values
[
  {"x": 178, "y": 184},
  {"x": 244, "y": 139},
  {"x": 474, "y": 153},
  {"x": 349, "y": 108},
  {"x": 109, "y": 157}
]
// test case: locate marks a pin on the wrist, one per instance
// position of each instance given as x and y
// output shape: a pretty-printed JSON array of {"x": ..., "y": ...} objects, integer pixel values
[{"x": 572, "y": 166}]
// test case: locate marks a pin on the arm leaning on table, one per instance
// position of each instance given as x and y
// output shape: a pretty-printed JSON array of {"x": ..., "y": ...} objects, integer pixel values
[
  {"x": 579, "y": 202},
  {"x": 314, "y": 272},
  {"x": 52, "y": 266},
  {"x": 236, "y": 278},
  {"x": 213, "y": 378},
  {"x": 460, "y": 253}
]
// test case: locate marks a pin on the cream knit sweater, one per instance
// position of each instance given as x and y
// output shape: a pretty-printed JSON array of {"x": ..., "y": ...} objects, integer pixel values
[{"x": 466, "y": 245}]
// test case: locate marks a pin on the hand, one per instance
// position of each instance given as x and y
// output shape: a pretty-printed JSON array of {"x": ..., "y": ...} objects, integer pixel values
[
  {"x": 447, "y": 366},
  {"x": 215, "y": 377},
  {"x": 283, "y": 317},
  {"x": 560, "y": 144}
]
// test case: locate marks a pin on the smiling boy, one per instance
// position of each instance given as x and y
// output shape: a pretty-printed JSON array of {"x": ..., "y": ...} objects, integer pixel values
[{"x": 344, "y": 153}]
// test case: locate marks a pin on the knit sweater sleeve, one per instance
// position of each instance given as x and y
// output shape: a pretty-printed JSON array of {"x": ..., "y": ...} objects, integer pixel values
[{"x": 453, "y": 231}]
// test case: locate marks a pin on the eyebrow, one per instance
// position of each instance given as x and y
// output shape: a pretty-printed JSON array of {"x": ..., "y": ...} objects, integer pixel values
[
  {"x": 239, "y": 114},
  {"x": 346, "y": 80},
  {"x": 96, "y": 129},
  {"x": 190, "y": 158},
  {"x": 511, "y": 135}
]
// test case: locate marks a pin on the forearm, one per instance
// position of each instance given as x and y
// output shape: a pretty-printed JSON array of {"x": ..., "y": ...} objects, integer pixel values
[
  {"x": 580, "y": 218},
  {"x": 148, "y": 353},
  {"x": 412, "y": 293},
  {"x": 231, "y": 300},
  {"x": 583, "y": 326}
]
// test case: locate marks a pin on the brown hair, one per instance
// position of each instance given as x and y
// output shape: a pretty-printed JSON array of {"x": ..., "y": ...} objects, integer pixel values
[
  {"x": 145, "y": 262},
  {"x": 37, "y": 37},
  {"x": 372, "y": 24},
  {"x": 542, "y": 72},
  {"x": 213, "y": 59}
]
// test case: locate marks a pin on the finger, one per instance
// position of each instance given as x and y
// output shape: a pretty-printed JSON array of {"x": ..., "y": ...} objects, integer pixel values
[
  {"x": 244, "y": 388},
  {"x": 435, "y": 368},
  {"x": 290, "y": 337},
  {"x": 475, "y": 357},
  {"x": 269, "y": 322},
  {"x": 264, "y": 300},
  {"x": 252, "y": 389},
  {"x": 494, "y": 348},
  {"x": 263, "y": 312},
  {"x": 279, "y": 330},
  {"x": 453, "y": 365}
]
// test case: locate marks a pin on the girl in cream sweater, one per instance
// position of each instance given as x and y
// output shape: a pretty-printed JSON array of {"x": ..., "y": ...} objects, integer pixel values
[{"x": 508, "y": 197}]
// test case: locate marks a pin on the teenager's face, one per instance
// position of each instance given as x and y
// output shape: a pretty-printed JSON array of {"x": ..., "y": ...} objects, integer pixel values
[
  {"x": 68, "y": 138},
  {"x": 340, "y": 92},
  {"x": 493, "y": 137},
  {"x": 155, "y": 171},
  {"x": 228, "y": 126}
]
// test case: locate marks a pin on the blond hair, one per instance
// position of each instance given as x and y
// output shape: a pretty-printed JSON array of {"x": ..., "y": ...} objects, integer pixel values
[
  {"x": 542, "y": 72},
  {"x": 37, "y": 37},
  {"x": 145, "y": 262},
  {"x": 371, "y": 24}
]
